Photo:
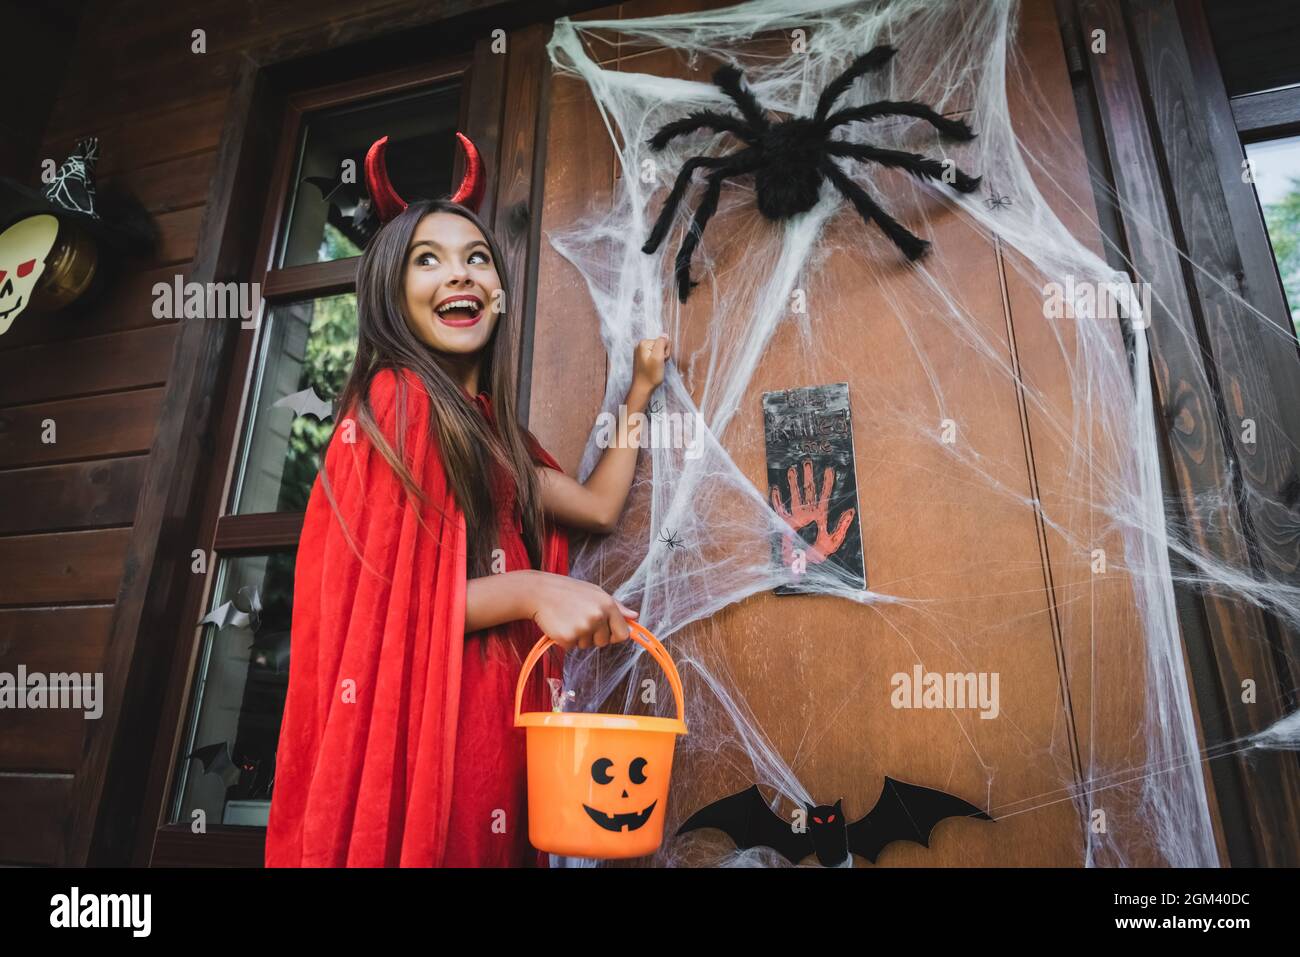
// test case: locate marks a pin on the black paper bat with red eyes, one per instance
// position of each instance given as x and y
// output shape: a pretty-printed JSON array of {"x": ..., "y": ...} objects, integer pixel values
[{"x": 903, "y": 812}]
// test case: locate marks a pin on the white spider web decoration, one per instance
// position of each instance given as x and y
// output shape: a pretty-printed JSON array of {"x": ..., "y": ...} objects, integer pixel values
[{"x": 697, "y": 534}]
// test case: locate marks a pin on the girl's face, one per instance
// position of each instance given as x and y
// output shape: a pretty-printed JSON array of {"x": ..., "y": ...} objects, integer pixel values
[{"x": 451, "y": 287}]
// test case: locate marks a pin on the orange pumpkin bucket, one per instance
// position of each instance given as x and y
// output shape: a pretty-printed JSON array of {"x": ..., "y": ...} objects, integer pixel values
[{"x": 598, "y": 783}]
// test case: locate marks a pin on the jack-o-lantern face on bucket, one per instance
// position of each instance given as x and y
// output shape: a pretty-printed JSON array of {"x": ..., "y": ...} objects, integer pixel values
[
  {"x": 23, "y": 248},
  {"x": 605, "y": 771}
]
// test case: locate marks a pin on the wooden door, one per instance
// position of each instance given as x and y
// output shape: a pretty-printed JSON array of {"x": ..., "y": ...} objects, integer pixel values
[{"x": 1005, "y": 592}]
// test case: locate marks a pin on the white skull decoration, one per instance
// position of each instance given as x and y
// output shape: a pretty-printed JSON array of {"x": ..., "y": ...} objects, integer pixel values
[{"x": 23, "y": 248}]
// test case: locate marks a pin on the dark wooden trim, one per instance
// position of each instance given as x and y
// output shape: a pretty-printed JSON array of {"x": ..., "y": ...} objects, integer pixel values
[
  {"x": 177, "y": 846},
  {"x": 444, "y": 69},
  {"x": 1147, "y": 100},
  {"x": 1250, "y": 268},
  {"x": 541, "y": 141},
  {"x": 482, "y": 117},
  {"x": 1258, "y": 368},
  {"x": 255, "y": 534},
  {"x": 311, "y": 279},
  {"x": 1260, "y": 116},
  {"x": 392, "y": 32},
  {"x": 520, "y": 165}
]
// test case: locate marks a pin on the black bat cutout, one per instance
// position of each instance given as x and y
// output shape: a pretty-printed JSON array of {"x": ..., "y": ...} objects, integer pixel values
[
  {"x": 903, "y": 812},
  {"x": 216, "y": 760},
  {"x": 246, "y": 776},
  {"x": 270, "y": 649},
  {"x": 350, "y": 209}
]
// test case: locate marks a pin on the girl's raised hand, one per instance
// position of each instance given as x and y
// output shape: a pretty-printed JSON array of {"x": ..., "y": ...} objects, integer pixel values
[{"x": 648, "y": 363}]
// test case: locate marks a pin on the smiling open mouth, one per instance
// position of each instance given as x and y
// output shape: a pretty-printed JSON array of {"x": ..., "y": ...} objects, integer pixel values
[
  {"x": 460, "y": 311},
  {"x": 617, "y": 822}
]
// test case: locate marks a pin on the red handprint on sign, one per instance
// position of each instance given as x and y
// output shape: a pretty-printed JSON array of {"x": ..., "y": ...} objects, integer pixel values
[{"x": 808, "y": 506}]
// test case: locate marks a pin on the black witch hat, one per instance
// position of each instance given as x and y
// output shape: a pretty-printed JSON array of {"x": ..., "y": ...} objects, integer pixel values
[
  {"x": 74, "y": 184},
  {"x": 97, "y": 230},
  {"x": 114, "y": 220}
]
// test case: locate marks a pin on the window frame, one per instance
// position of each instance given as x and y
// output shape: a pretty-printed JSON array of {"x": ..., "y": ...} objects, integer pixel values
[
  {"x": 1165, "y": 142},
  {"x": 1265, "y": 117},
  {"x": 224, "y": 535},
  {"x": 242, "y": 534}
]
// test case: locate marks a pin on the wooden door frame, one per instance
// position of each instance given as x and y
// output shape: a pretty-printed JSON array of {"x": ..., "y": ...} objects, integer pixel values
[
  {"x": 118, "y": 794},
  {"x": 1156, "y": 104}
]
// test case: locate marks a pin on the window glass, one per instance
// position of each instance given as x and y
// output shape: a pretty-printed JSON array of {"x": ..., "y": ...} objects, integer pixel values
[
  {"x": 306, "y": 352},
  {"x": 227, "y": 762},
  {"x": 328, "y": 215},
  {"x": 1275, "y": 170}
]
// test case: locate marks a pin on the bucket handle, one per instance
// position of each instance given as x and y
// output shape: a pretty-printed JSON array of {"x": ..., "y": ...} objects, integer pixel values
[{"x": 640, "y": 635}]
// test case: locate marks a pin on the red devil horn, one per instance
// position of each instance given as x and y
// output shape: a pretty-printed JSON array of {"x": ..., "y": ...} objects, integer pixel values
[
  {"x": 387, "y": 203},
  {"x": 470, "y": 192}
]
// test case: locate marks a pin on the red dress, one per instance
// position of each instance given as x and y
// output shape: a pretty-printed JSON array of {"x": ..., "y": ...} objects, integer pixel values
[{"x": 397, "y": 745}]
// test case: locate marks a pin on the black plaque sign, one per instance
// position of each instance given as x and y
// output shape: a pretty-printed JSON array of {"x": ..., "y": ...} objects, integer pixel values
[{"x": 813, "y": 484}]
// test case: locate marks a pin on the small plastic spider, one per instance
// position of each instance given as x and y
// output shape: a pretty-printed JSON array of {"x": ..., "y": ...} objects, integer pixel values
[
  {"x": 790, "y": 158},
  {"x": 671, "y": 540},
  {"x": 997, "y": 201}
]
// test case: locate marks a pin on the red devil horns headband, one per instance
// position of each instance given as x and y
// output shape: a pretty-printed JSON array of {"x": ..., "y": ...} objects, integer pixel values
[{"x": 388, "y": 204}]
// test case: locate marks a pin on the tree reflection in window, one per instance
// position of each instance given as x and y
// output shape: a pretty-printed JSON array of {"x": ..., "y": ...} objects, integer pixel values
[
  {"x": 310, "y": 345},
  {"x": 1275, "y": 169}
]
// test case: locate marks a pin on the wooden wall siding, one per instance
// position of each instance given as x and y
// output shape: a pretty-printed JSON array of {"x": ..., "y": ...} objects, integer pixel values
[
  {"x": 66, "y": 508},
  {"x": 1201, "y": 443},
  {"x": 51, "y": 639},
  {"x": 32, "y": 71},
  {"x": 832, "y": 647}
]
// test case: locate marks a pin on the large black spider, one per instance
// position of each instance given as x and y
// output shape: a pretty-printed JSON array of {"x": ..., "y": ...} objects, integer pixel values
[{"x": 790, "y": 158}]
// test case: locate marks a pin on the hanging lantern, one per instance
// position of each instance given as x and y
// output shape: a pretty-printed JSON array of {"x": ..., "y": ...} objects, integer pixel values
[{"x": 56, "y": 245}]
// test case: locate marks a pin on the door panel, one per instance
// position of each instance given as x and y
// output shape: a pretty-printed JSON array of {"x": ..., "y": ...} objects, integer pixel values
[{"x": 1001, "y": 590}]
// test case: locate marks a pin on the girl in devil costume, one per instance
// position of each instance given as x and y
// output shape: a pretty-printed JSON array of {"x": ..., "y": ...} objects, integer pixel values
[{"x": 431, "y": 560}]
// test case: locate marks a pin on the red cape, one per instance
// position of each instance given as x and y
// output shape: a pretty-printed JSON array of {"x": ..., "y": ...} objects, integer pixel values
[{"x": 367, "y": 741}]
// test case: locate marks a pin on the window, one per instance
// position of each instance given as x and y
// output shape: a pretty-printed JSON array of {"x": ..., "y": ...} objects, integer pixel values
[
  {"x": 1275, "y": 171},
  {"x": 304, "y": 344},
  {"x": 1253, "y": 49}
]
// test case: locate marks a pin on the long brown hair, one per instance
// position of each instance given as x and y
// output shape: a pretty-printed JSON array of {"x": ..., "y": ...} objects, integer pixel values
[{"x": 467, "y": 443}]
